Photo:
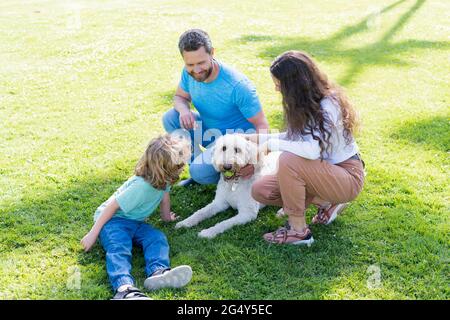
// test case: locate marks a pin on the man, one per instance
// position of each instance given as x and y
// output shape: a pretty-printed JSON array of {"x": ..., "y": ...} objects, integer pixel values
[{"x": 225, "y": 99}]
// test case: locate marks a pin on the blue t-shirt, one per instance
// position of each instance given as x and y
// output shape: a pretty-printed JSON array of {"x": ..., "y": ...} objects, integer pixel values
[
  {"x": 137, "y": 199},
  {"x": 225, "y": 103}
]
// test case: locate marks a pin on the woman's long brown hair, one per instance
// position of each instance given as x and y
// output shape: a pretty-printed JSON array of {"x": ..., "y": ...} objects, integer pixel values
[{"x": 302, "y": 87}]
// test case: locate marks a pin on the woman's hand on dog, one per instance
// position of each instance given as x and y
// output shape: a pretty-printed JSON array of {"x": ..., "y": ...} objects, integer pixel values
[{"x": 247, "y": 171}]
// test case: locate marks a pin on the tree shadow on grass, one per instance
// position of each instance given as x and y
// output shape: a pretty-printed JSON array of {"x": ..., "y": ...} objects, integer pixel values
[
  {"x": 383, "y": 52},
  {"x": 432, "y": 133}
]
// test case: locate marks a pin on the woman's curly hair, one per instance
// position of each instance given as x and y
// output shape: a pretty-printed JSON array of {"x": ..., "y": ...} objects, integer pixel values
[
  {"x": 303, "y": 86},
  {"x": 163, "y": 161}
]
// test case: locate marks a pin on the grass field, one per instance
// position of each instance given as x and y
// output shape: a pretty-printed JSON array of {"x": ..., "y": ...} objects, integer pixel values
[{"x": 83, "y": 86}]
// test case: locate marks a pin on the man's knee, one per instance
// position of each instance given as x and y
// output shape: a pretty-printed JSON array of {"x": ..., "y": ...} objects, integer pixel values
[
  {"x": 204, "y": 174},
  {"x": 170, "y": 120}
]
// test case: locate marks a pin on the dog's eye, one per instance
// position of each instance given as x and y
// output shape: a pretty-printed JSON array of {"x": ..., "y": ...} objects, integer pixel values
[
  {"x": 224, "y": 148},
  {"x": 237, "y": 150}
]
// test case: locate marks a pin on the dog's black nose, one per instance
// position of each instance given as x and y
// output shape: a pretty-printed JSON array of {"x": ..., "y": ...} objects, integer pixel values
[{"x": 227, "y": 166}]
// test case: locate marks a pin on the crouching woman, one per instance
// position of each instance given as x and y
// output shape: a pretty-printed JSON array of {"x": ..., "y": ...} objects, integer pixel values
[{"x": 320, "y": 163}]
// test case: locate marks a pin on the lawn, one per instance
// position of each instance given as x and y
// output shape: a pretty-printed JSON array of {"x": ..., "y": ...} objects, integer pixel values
[{"x": 83, "y": 86}]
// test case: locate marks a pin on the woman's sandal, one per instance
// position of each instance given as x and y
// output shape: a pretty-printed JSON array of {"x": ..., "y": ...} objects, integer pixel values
[{"x": 286, "y": 235}]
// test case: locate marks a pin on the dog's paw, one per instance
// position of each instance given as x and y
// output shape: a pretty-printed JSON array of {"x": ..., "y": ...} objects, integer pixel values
[
  {"x": 183, "y": 224},
  {"x": 207, "y": 233}
]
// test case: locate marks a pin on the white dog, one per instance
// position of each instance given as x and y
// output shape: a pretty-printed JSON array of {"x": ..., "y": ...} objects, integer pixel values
[{"x": 230, "y": 153}]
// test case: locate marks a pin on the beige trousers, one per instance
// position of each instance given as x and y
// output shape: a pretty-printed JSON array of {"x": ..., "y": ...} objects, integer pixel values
[{"x": 300, "y": 182}]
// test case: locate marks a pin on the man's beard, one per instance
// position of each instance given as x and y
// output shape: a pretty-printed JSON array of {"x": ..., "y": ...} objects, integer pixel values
[{"x": 204, "y": 76}]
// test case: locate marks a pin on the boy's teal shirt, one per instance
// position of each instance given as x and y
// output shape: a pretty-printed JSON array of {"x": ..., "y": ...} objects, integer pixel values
[{"x": 137, "y": 199}]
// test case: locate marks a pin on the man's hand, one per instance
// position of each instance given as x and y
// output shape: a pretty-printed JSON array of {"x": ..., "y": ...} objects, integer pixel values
[
  {"x": 88, "y": 241},
  {"x": 246, "y": 172},
  {"x": 169, "y": 216},
  {"x": 187, "y": 120}
]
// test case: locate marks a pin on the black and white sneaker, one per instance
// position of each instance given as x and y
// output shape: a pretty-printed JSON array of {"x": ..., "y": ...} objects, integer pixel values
[
  {"x": 169, "y": 278},
  {"x": 130, "y": 293}
]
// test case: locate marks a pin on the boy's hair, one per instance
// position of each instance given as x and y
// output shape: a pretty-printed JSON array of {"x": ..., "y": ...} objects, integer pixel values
[
  {"x": 194, "y": 39},
  {"x": 163, "y": 161}
]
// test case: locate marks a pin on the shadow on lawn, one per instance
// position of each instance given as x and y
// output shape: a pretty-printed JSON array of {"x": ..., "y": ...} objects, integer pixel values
[
  {"x": 381, "y": 53},
  {"x": 431, "y": 132}
]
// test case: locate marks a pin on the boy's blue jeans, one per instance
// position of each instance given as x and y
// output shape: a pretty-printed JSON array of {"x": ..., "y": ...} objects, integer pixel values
[{"x": 117, "y": 238}]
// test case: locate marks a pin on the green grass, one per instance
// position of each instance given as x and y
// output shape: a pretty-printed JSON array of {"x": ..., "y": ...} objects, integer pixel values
[{"x": 79, "y": 102}]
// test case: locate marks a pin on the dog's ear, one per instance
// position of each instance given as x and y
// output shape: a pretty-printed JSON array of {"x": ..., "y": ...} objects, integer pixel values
[
  {"x": 252, "y": 151},
  {"x": 212, "y": 159}
]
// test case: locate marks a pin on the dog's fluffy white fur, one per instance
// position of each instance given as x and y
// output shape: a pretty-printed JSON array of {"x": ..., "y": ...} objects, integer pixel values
[{"x": 236, "y": 151}]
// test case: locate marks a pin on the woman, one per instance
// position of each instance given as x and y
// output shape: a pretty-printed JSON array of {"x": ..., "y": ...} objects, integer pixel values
[{"x": 320, "y": 163}]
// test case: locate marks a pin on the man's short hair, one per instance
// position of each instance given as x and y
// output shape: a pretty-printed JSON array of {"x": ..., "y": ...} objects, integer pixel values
[{"x": 194, "y": 39}]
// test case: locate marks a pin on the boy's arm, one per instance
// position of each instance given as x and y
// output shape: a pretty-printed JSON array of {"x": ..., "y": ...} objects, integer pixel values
[
  {"x": 164, "y": 207},
  {"x": 89, "y": 239}
]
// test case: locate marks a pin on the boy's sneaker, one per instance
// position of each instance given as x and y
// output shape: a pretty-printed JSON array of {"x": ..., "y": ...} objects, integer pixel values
[
  {"x": 328, "y": 215},
  {"x": 130, "y": 293},
  {"x": 169, "y": 278}
]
